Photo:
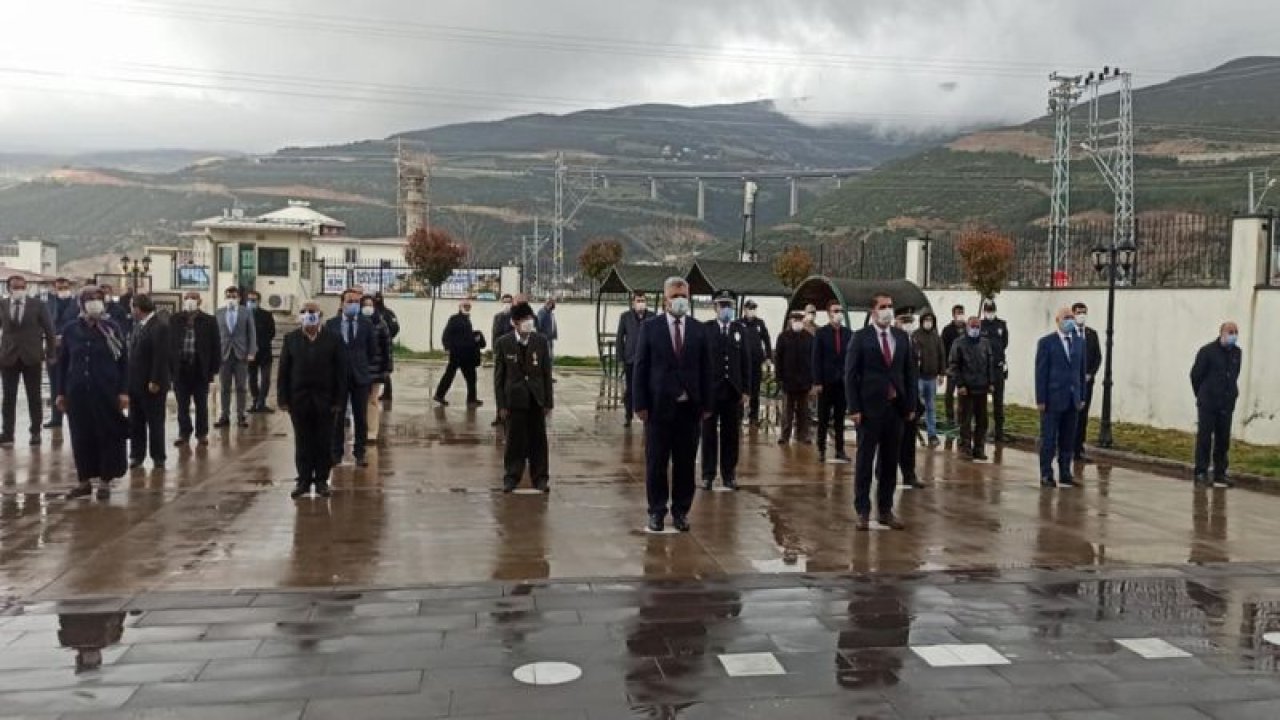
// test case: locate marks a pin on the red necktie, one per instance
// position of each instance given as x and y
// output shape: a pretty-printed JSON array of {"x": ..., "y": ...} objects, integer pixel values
[
  {"x": 679, "y": 340},
  {"x": 888, "y": 359}
]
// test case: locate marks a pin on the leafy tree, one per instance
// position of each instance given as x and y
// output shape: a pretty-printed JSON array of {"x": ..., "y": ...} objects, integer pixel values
[
  {"x": 434, "y": 255},
  {"x": 792, "y": 266},
  {"x": 598, "y": 256},
  {"x": 986, "y": 256}
]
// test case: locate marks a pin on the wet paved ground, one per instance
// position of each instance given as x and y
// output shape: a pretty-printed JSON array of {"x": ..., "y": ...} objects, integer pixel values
[{"x": 418, "y": 590}]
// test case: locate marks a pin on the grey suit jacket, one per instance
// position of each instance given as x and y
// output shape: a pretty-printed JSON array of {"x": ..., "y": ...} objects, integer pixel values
[
  {"x": 31, "y": 339},
  {"x": 239, "y": 342}
]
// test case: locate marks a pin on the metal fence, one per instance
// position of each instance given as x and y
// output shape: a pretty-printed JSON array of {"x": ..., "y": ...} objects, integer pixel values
[
  {"x": 392, "y": 278},
  {"x": 1187, "y": 251},
  {"x": 871, "y": 256}
]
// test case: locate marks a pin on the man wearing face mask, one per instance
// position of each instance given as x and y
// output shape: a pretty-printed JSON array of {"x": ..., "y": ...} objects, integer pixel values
[
  {"x": 1060, "y": 367},
  {"x": 393, "y": 324},
  {"x": 880, "y": 382},
  {"x": 355, "y": 334},
  {"x": 522, "y": 384},
  {"x": 931, "y": 353},
  {"x": 63, "y": 310},
  {"x": 239, "y": 348},
  {"x": 731, "y": 359},
  {"x": 628, "y": 338},
  {"x": 150, "y": 369},
  {"x": 264, "y": 328},
  {"x": 952, "y": 332},
  {"x": 547, "y": 325},
  {"x": 971, "y": 371},
  {"x": 1215, "y": 381},
  {"x": 312, "y": 387},
  {"x": 761, "y": 350},
  {"x": 463, "y": 345},
  {"x": 811, "y": 319},
  {"x": 118, "y": 309},
  {"x": 1093, "y": 361},
  {"x": 830, "y": 349},
  {"x": 501, "y": 326},
  {"x": 196, "y": 355},
  {"x": 674, "y": 392},
  {"x": 996, "y": 331},
  {"x": 906, "y": 322},
  {"x": 793, "y": 364},
  {"x": 27, "y": 341}
]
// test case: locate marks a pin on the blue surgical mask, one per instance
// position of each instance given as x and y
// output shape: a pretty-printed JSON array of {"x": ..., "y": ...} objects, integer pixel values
[
  {"x": 679, "y": 306},
  {"x": 310, "y": 319},
  {"x": 726, "y": 314},
  {"x": 973, "y": 332},
  {"x": 351, "y": 309},
  {"x": 1068, "y": 325},
  {"x": 252, "y": 304},
  {"x": 1232, "y": 339}
]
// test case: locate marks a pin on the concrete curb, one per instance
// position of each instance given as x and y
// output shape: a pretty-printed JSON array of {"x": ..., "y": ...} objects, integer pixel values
[{"x": 1171, "y": 468}]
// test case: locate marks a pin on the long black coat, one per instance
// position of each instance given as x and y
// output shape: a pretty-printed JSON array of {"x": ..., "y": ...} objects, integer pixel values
[
  {"x": 461, "y": 342},
  {"x": 522, "y": 373},
  {"x": 149, "y": 356},
  {"x": 208, "y": 343},
  {"x": 731, "y": 358},
  {"x": 264, "y": 328},
  {"x": 1215, "y": 376},
  {"x": 793, "y": 361},
  {"x": 94, "y": 367},
  {"x": 313, "y": 373}
]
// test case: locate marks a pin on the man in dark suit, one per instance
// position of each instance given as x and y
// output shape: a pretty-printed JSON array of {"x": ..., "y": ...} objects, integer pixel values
[
  {"x": 311, "y": 387},
  {"x": 522, "y": 384},
  {"x": 1092, "y": 361},
  {"x": 196, "y": 354},
  {"x": 674, "y": 387},
  {"x": 954, "y": 330},
  {"x": 356, "y": 335},
  {"x": 1215, "y": 378},
  {"x": 150, "y": 365},
  {"x": 118, "y": 309},
  {"x": 880, "y": 382},
  {"x": 501, "y": 326},
  {"x": 830, "y": 348},
  {"x": 63, "y": 309},
  {"x": 264, "y": 327},
  {"x": 731, "y": 364},
  {"x": 628, "y": 338},
  {"x": 463, "y": 345},
  {"x": 1060, "y": 366},
  {"x": 27, "y": 340},
  {"x": 761, "y": 349},
  {"x": 996, "y": 331}
]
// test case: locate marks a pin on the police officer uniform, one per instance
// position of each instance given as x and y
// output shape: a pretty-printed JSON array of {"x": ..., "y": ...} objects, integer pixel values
[
  {"x": 761, "y": 350},
  {"x": 730, "y": 363},
  {"x": 522, "y": 386}
]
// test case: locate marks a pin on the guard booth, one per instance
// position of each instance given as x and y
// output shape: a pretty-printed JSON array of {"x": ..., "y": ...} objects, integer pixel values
[
  {"x": 854, "y": 295},
  {"x": 618, "y": 287}
]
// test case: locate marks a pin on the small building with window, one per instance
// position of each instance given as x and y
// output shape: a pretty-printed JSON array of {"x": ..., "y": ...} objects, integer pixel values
[{"x": 273, "y": 253}]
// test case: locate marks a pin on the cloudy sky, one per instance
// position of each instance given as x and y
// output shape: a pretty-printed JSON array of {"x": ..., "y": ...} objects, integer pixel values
[{"x": 112, "y": 74}]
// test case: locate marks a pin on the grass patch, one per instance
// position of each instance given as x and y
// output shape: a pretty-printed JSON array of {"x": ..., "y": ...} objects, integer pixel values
[{"x": 1158, "y": 443}]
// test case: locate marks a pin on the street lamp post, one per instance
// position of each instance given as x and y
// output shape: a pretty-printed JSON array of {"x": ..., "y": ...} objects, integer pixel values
[
  {"x": 1114, "y": 260},
  {"x": 135, "y": 269}
]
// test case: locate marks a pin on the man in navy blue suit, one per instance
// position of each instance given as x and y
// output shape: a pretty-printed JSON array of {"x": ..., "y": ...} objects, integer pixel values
[
  {"x": 1060, "y": 371},
  {"x": 356, "y": 334},
  {"x": 673, "y": 394},
  {"x": 880, "y": 383}
]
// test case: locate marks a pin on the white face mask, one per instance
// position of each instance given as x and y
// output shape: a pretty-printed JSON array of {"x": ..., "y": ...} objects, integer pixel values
[
  {"x": 909, "y": 328},
  {"x": 94, "y": 308},
  {"x": 927, "y": 324},
  {"x": 367, "y": 311},
  {"x": 748, "y": 313},
  {"x": 525, "y": 326},
  {"x": 231, "y": 303},
  {"x": 884, "y": 316},
  {"x": 1080, "y": 318},
  {"x": 64, "y": 294},
  {"x": 506, "y": 307},
  {"x": 797, "y": 326},
  {"x": 190, "y": 305},
  {"x": 641, "y": 307},
  {"x": 18, "y": 295},
  {"x": 466, "y": 310},
  {"x": 309, "y": 319},
  {"x": 988, "y": 314},
  {"x": 679, "y": 306}
]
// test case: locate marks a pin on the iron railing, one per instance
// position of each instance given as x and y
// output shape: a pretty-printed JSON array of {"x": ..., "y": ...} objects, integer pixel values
[{"x": 1186, "y": 251}]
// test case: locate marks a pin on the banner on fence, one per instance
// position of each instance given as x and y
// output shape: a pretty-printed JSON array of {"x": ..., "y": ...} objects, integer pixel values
[{"x": 481, "y": 284}]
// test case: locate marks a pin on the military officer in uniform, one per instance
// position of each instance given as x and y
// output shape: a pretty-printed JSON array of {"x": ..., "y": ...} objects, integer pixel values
[
  {"x": 761, "y": 350},
  {"x": 522, "y": 385},
  {"x": 731, "y": 369}
]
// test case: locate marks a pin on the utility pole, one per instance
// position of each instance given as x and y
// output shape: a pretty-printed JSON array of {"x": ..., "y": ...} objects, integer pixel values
[
  {"x": 748, "y": 252},
  {"x": 1063, "y": 96},
  {"x": 1267, "y": 183},
  {"x": 565, "y": 194}
]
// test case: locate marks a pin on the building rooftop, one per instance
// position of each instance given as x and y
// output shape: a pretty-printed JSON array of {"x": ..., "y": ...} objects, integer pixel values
[{"x": 297, "y": 215}]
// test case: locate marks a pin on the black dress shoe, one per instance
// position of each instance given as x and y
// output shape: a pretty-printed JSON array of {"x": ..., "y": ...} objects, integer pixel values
[
  {"x": 79, "y": 491},
  {"x": 135, "y": 464},
  {"x": 508, "y": 488},
  {"x": 181, "y": 441},
  {"x": 35, "y": 441},
  {"x": 681, "y": 523},
  {"x": 980, "y": 456},
  {"x": 655, "y": 523},
  {"x": 202, "y": 441},
  {"x": 267, "y": 409},
  {"x": 361, "y": 462},
  {"x": 1047, "y": 482},
  {"x": 914, "y": 484},
  {"x": 441, "y": 401},
  {"x": 104, "y": 492},
  {"x": 543, "y": 486},
  {"x": 324, "y": 491},
  {"x": 6, "y": 441},
  {"x": 822, "y": 456},
  {"x": 1220, "y": 481},
  {"x": 783, "y": 441},
  {"x": 222, "y": 423},
  {"x": 475, "y": 403},
  {"x": 298, "y": 492},
  {"x": 708, "y": 483},
  {"x": 157, "y": 465},
  {"x": 626, "y": 423},
  {"x": 731, "y": 484},
  {"x": 862, "y": 524},
  {"x": 51, "y": 425},
  {"x": 892, "y": 522},
  {"x": 243, "y": 422},
  {"x": 842, "y": 457},
  {"x": 1202, "y": 480},
  {"x": 1067, "y": 483}
]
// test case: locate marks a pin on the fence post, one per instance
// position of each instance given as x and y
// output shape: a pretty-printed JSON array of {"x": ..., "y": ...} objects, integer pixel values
[{"x": 917, "y": 267}]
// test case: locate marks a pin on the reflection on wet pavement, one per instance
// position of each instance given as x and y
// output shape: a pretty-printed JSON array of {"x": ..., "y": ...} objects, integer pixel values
[{"x": 203, "y": 591}]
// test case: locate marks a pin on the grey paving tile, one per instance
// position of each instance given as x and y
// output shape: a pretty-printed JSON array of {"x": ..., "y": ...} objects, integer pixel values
[
  {"x": 62, "y": 658},
  {"x": 224, "y": 615},
  {"x": 231, "y": 691},
  {"x": 201, "y": 650},
  {"x": 66, "y": 700},
  {"x": 1141, "y": 693},
  {"x": 1250, "y": 710},
  {"x": 1163, "y": 712},
  {"x": 287, "y": 710},
  {"x": 352, "y": 644},
  {"x": 189, "y": 600},
  {"x": 430, "y": 704},
  {"x": 121, "y": 674},
  {"x": 983, "y": 701},
  {"x": 1048, "y": 673},
  {"x": 261, "y": 668},
  {"x": 416, "y": 660}
]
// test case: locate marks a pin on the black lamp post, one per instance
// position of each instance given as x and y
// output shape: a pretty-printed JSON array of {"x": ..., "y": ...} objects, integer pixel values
[
  {"x": 135, "y": 269},
  {"x": 1116, "y": 262}
]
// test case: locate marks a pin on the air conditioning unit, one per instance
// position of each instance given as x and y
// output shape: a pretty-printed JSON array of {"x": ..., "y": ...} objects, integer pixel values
[{"x": 280, "y": 303}]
